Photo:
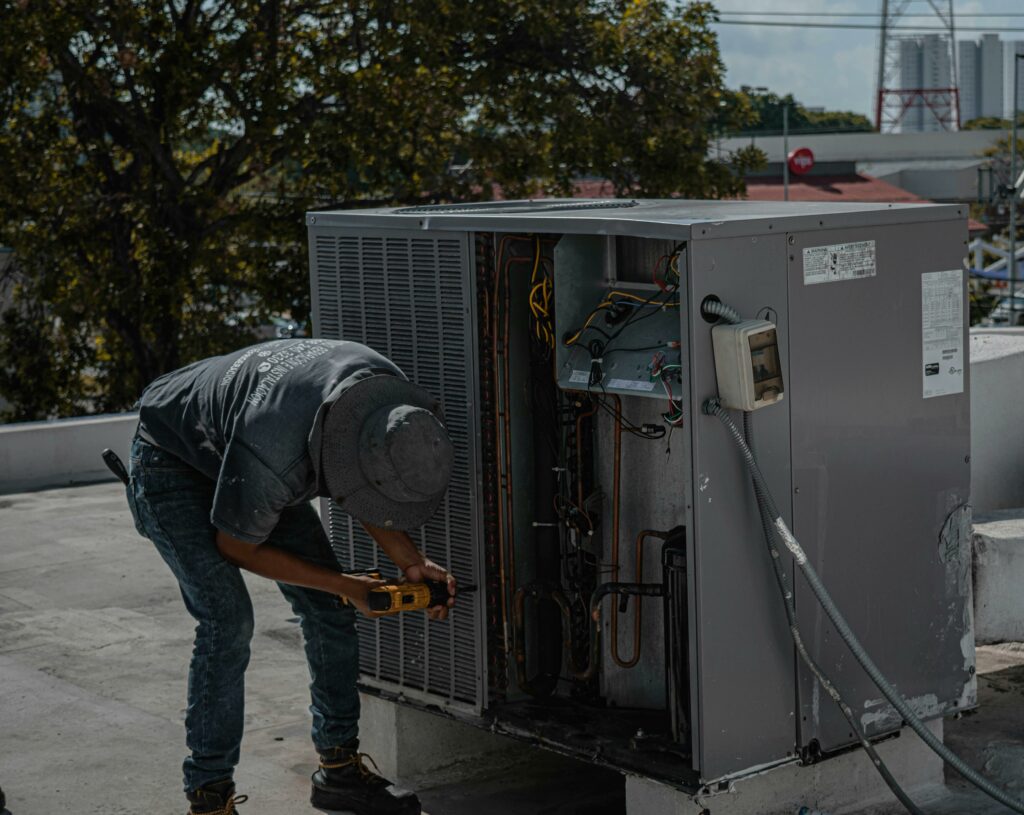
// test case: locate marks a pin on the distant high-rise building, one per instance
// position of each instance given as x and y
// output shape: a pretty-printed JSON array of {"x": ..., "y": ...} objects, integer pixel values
[
  {"x": 936, "y": 71},
  {"x": 1010, "y": 50},
  {"x": 924, "y": 66},
  {"x": 990, "y": 60},
  {"x": 981, "y": 78},
  {"x": 967, "y": 61}
]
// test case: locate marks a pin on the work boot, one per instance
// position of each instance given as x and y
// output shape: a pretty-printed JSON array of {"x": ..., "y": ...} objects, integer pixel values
[
  {"x": 344, "y": 783},
  {"x": 215, "y": 799}
]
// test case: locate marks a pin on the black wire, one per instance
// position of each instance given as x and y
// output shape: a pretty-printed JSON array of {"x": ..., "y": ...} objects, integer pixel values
[
  {"x": 627, "y": 425},
  {"x": 633, "y": 319},
  {"x": 659, "y": 347}
]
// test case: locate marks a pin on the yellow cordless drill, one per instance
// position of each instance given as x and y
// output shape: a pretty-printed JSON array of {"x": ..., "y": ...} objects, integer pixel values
[{"x": 395, "y": 597}]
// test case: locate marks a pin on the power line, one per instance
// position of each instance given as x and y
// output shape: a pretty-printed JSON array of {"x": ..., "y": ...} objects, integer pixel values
[
  {"x": 861, "y": 26},
  {"x": 959, "y": 16}
]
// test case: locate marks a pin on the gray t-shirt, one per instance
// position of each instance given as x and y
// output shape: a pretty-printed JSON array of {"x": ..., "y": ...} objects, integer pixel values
[{"x": 244, "y": 420}]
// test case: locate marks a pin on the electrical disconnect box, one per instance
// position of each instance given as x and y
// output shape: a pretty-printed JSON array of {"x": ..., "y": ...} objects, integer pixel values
[
  {"x": 747, "y": 364},
  {"x": 628, "y": 611}
]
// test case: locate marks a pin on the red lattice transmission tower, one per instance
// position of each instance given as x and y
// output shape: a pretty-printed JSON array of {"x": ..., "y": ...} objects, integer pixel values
[{"x": 917, "y": 72}]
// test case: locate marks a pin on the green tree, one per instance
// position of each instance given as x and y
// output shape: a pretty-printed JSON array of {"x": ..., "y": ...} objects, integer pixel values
[
  {"x": 157, "y": 155},
  {"x": 992, "y": 123},
  {"x": 767, "y": 108}
]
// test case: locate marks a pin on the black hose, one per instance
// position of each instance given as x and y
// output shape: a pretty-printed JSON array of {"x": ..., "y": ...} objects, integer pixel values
[
  {"x": 712, "y": 407},
  {"x": 789, "y": 604}
]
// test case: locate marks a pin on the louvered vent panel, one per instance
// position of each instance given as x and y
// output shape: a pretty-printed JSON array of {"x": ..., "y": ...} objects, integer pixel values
[
  {"x": 408, "y": 296},
  {"x": 325, "y": 276}
]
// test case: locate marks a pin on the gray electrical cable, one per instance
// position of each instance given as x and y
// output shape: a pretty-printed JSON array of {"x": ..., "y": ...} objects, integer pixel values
[
  {"x": 712, "y": 407},
  {"x": 798, "y": 641},
  {"x": 717, "y": 308}
]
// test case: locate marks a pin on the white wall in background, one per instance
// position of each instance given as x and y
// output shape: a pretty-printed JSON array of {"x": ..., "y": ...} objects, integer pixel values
[
  {"x": 35, "y": 455},
  {"x": 997, "y": 418}
]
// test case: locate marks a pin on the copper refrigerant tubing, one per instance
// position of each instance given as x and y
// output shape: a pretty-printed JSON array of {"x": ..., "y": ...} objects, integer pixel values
[
  {"x": 615, "y": 566},
  {"x": 519, "y": 632},
  {"x": 498, "y": 418},
  {"x": 579, "y": 457},
  {"x": 503, "y": 421},
  {"x": 616, "y": 489},
  {"x": 638, "y": 576}
]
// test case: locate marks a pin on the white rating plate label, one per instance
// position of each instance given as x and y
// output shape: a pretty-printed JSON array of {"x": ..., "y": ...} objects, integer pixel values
[
  {"x": 942, "y": 333},
  {"x": 839, "y": 261}
]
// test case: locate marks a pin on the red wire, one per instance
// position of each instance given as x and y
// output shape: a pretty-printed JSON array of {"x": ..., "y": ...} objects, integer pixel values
[{"x": 654, "y": 274}]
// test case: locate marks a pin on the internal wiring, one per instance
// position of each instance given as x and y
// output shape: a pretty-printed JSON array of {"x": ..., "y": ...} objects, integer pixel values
[
  {"x": 541, "y": 290},
  {"x": 672, "y": 267},
  {"x": 615, "y": 299}
]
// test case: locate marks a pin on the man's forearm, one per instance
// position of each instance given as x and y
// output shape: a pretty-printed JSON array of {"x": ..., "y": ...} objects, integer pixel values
[
  {"x": 277, "y": 564},
  {"x": 397, "y": 545}
]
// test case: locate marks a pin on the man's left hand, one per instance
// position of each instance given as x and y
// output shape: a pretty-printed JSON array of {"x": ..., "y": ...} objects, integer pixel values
[{"x": 428, "y": 570}]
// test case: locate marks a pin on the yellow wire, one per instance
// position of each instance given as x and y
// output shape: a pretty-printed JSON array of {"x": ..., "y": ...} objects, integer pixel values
[
  {"x": 647, "y": 300},
  {"x": 541, "y": 311}
]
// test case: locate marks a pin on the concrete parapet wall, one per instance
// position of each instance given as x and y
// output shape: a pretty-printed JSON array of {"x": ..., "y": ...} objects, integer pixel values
[
  {"x": 997, "y": 430},
  {"x": 999, "y": 576},
  {"x": 38, "y": 455}
]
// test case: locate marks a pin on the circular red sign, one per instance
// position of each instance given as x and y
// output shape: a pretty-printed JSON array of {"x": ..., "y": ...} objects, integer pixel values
[{"x": 800, "y": 160}]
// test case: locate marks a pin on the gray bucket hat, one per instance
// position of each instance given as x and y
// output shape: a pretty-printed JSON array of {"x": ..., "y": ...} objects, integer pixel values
[{"x": 381, "y": 450}]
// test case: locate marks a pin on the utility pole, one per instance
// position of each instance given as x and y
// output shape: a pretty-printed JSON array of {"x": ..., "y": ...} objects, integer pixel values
[
  {"x": 785, "y": 152},
  {"x": 883, "y": 65},
  {"x": 1014, "y": 191}
]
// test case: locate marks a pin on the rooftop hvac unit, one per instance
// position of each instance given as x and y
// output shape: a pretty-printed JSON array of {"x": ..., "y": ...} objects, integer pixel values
[{"x": 573, "y": 344}]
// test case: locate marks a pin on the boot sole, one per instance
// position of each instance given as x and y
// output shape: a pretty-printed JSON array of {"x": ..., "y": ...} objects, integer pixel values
[{"x": 327, "y": 801}]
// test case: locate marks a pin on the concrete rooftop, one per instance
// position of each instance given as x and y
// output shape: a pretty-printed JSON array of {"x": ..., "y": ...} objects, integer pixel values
[{"x": 94, "y": 644}]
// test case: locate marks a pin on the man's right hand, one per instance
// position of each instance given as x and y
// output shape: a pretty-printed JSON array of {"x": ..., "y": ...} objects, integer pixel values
[{"x": 356, "y": 589}]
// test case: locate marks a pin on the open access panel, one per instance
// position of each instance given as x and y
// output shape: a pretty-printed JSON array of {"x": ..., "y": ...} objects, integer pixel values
[{"x": 628, "y": 612}]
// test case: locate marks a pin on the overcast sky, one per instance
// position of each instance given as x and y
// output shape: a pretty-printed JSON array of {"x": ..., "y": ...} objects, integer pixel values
[{"x": 835, "y": 69}]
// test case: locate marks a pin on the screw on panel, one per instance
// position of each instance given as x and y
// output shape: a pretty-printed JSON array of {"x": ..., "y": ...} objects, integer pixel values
[
  {"x": 312, "y": 219},
  {"x": 792, "y": 239}
]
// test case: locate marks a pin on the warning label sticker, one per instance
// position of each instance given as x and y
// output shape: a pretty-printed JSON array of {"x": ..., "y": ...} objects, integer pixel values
[
  {"x": 942, "y": 333},
  {"x": 631, "y": 384},
  {"x": 840, "y": 261}
]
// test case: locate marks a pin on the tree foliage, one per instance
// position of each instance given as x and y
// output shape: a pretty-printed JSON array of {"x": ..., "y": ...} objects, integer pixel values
[
  {"x": 768, "y": 111},
  {"x": 993, "y": 123},
  {"x": 157, "y": 155}
]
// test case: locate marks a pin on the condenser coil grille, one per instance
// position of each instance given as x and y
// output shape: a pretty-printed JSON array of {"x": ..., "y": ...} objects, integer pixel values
[{"x": 410, "y": 299}]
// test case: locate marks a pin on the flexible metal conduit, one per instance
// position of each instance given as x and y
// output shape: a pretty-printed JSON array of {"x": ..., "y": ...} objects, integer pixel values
[
  {"x": 712, "y": 407},
  {"x": 717, "y": 308}
]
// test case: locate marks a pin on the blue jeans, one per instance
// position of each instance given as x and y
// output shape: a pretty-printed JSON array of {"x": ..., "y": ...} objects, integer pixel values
[{"x": 170, "y": 504}]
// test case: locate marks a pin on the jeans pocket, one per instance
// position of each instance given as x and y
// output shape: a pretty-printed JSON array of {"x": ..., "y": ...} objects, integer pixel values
[{"x": 133, "y": 508}]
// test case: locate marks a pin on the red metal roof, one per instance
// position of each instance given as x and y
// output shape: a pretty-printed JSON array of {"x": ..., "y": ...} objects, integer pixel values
[
  {"x": 858, "y": 187},
  {"x": 854, "y": 187}
]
